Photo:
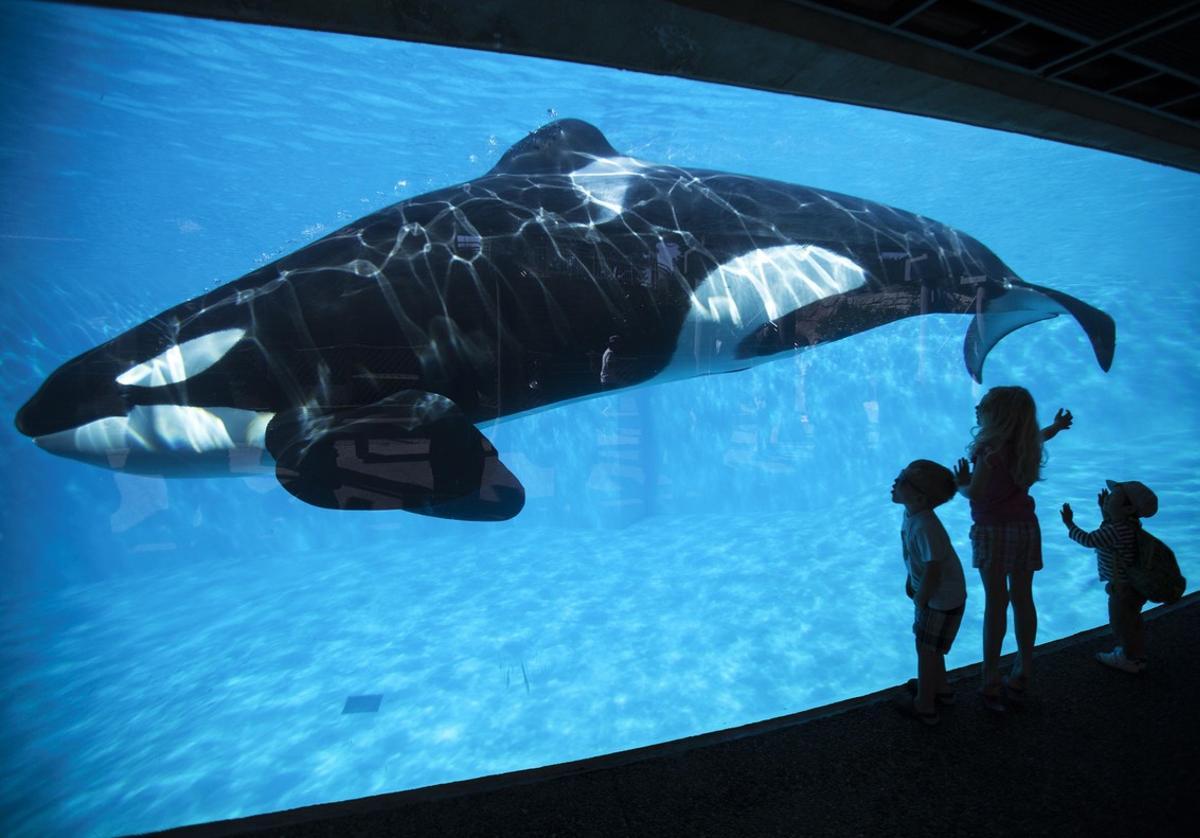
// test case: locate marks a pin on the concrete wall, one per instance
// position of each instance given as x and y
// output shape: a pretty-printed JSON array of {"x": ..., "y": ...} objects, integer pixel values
[{"x": 767, "y": 44}]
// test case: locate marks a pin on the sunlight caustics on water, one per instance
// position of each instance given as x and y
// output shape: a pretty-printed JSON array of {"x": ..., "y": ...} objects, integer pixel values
[{"x": 691, "y": 556}]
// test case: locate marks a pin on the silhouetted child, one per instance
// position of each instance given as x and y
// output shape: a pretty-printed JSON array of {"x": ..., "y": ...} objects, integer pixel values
[
  {"x": 1006, "y": 539},
  {"x": 1122, "y": 505},
  {"x": 609, "y": 364},
  {"x": 935, "y": 583}
]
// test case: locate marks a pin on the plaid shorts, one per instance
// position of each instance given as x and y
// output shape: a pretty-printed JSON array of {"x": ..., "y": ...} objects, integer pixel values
[
  {"x": 936, "y": 629},
  {"x": 1018, "y": 545}
]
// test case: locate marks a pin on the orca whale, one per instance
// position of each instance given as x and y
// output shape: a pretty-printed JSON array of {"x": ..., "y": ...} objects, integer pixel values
[{"x": 360, "y": 365}]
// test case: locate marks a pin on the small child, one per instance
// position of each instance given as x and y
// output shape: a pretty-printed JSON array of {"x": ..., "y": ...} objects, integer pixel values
[
  {"x": 1122, "y": 506},
  {"x": 1006, "y": 539},
  {"x": 935, "y": 583}
]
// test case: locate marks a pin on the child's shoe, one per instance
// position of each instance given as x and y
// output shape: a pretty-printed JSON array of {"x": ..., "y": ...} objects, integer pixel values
[
  {"x": 993, "y": 700},
  {"x": 1117, "y": 660},
  {"x": 1014, "y": 690},
  {"x": 907, "y": 708},
  {"x": 944, "y": 699}
]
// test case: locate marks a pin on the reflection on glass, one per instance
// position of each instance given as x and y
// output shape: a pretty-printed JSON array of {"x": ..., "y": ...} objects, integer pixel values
[{"x": 435, "y": 276}]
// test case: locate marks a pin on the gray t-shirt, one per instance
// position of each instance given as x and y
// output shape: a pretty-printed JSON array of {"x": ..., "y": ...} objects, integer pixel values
[{"x": 924, "y": 540}]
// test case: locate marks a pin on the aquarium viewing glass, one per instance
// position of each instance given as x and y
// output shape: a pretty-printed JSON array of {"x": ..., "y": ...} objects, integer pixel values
[{"x": 693, "y": 553}]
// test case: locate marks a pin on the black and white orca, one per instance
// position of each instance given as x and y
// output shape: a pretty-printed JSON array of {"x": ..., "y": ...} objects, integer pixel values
[{"x": 361, "y": 364}]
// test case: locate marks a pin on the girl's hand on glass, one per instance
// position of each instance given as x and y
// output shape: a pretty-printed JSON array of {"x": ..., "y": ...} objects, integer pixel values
[
  {"x": 962, "y": 472},
  {"x": 1063, "y": 419}
]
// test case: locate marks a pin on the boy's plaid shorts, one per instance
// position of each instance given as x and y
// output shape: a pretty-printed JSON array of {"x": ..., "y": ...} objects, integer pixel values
[{"x": 936, "y": 629}]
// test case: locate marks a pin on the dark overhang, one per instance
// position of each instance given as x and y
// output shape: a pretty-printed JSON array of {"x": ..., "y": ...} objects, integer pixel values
[{"x": 1123, "y": 77}]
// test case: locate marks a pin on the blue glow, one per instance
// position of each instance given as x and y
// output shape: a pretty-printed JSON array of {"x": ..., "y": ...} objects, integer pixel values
[{"x": 691, "y": 557}]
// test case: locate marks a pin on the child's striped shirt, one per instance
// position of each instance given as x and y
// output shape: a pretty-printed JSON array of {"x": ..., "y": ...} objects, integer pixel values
[{"x": 1116, "y": 547}]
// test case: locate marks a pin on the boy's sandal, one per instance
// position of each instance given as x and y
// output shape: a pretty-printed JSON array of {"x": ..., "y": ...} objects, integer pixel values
[
  {"x": 908, "y": 707},
  {"x": 945, "y": 699},
  {"x": 992, "y": 701},
  {"x": 1014, "y": 690}
]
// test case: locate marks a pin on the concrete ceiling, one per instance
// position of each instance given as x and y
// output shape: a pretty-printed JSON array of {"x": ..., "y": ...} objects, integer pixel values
[{"x": 1122, "y": 77}]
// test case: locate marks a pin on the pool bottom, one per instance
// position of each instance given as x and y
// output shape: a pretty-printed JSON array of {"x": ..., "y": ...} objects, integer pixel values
[
  {"x": 858, "y": 767},
  {"x": 219, "y": 691}
]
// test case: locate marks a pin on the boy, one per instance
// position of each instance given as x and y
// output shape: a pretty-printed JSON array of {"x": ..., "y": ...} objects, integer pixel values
[
  {"x": 1122, "y": 505},
  {"x": 935, "y": 582}
]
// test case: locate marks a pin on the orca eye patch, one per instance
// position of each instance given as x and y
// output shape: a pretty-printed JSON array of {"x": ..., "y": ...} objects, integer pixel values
[{"x": 180, "y": 361}]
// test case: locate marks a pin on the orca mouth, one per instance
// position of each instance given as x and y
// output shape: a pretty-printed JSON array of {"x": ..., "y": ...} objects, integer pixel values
[
  {"x": 56, "y": 408},
  {"x": 167, "y": 439},
  {"x": 103, "y": 385},
  {"x": 27, "y": 422}
]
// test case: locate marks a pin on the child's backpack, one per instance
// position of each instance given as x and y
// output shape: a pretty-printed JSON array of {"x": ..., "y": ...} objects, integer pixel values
[{"x": 1155, "y": 573}]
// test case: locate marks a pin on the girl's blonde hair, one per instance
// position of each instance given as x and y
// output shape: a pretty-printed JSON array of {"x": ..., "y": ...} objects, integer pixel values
[{"x": 1009, "y": 415}]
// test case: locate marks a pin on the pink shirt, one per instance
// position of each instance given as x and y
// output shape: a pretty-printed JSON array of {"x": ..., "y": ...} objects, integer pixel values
[{"x": 1003, "y": 501}]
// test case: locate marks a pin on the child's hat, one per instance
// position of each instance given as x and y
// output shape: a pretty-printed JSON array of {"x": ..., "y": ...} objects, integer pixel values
[{"x": 1145, "y": 502}]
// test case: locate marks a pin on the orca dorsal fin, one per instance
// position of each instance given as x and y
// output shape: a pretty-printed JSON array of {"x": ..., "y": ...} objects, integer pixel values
[{"x": 557, "y": 148}]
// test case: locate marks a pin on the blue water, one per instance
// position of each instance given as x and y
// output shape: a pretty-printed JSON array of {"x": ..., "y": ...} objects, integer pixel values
[{"x": 182, "y": 651}]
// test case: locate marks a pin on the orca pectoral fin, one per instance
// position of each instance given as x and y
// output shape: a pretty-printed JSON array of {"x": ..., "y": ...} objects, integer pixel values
[
  {"x": 414, "y": 451},
  {"x": 1024, "y": 304}
]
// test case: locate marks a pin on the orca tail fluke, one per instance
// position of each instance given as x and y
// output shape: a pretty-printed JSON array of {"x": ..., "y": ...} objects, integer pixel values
[
  {"x": 1023, "y": 304},
  {"x": 1100, "y": 328}
]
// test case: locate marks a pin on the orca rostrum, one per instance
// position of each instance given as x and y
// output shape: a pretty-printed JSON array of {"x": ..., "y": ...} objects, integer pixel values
[{"x": 360, "y": 366}]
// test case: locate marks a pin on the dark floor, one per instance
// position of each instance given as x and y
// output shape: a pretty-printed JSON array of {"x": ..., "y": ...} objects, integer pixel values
[{"x": 1095, "y": 752}]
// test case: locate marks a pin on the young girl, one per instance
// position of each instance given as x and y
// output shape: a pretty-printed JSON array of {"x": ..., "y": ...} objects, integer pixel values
[{"x": 1006, "y": 542}]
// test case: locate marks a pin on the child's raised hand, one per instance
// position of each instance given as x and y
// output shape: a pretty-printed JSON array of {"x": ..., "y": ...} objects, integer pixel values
[
  {"x": 1067, "y": 515},
  {"x": 1101, "y": 498},
  {"x": 962, "y": 472},
  {"x": 1063, "y": 419}
]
